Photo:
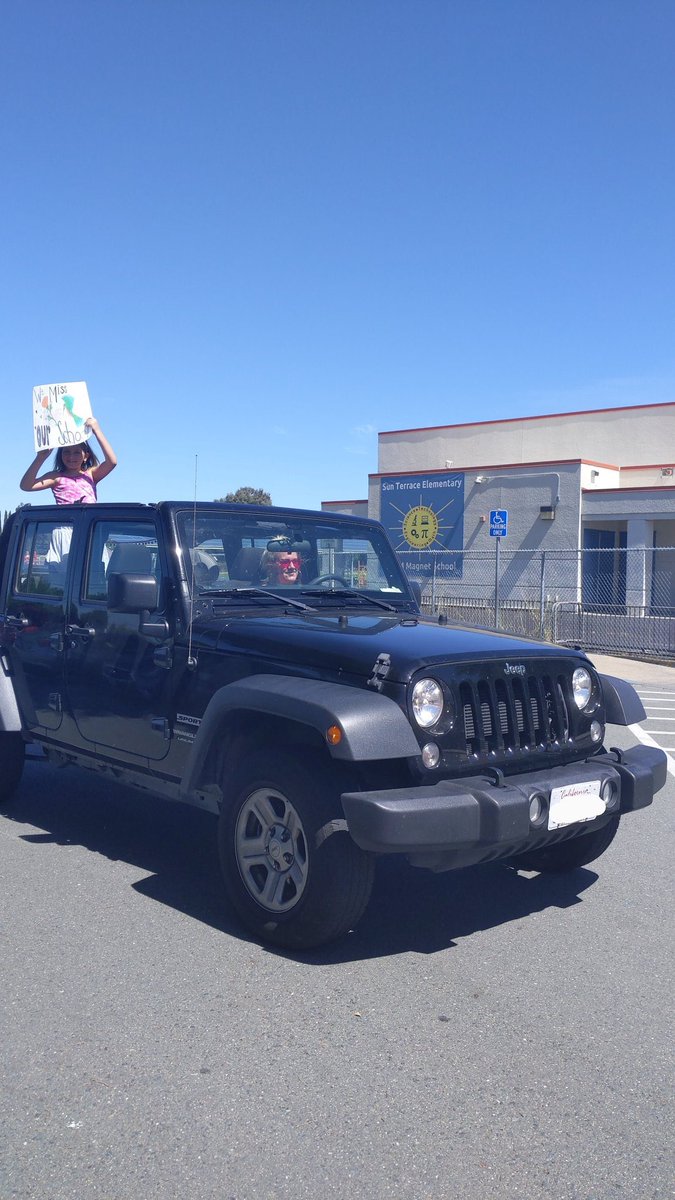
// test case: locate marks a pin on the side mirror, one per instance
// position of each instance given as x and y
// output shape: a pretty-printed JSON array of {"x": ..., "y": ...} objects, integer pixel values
[{"x": 132, "y": 593}]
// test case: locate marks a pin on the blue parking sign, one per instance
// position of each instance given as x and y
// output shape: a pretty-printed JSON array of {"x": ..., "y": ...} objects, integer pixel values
[{"x": 499, "y": 522}]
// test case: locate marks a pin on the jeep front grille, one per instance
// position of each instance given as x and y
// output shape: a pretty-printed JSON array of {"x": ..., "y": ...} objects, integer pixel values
[{"x": 514, "y": 713}]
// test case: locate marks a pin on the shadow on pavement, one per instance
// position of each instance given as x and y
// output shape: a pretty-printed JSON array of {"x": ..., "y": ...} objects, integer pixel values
[
  {"x": 174, "y": 846},
  {"x": 415, "y": 910}
]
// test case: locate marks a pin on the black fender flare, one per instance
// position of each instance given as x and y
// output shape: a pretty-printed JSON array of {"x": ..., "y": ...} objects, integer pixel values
[
  {"x": 373, "y": 726},
  {"x": 623, "y": 706}
]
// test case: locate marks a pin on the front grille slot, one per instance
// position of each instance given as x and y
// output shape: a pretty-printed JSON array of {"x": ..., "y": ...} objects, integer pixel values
[{"x": 513, "y": 713}]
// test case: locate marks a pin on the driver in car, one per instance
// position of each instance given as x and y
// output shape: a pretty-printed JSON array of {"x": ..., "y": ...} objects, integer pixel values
[{"x": 281, "y": 563}]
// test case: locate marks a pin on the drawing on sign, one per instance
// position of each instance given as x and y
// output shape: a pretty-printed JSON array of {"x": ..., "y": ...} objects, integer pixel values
[
  {"x": 60, "y": 411},
  {"x": 420, "y": 526}
]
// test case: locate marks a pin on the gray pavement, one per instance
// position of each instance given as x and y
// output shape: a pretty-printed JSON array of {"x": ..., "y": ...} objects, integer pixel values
[
  {"x": 635, "y": 670},
  {"x": 486, "y": 1034},
  {"x": 481, "y": 1034}
]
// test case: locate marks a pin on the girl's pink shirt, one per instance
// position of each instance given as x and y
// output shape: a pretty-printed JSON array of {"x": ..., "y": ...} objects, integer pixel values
[{"x": 75, "y": 489}]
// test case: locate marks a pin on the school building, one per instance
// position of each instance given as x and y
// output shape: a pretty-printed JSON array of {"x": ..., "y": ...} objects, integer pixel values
[{"x": 593, "y": 490}]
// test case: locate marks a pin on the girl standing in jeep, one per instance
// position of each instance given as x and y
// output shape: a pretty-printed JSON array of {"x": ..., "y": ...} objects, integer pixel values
[{"x": 76, "y": 472}]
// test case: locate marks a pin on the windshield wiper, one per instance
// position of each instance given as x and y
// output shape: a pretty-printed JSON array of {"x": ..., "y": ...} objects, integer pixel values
[
  {"x": 348, "y": 592},
  {"x": 253, "y": 592}
]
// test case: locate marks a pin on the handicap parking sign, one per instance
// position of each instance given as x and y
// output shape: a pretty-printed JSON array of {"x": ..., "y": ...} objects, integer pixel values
[{"x": 499, "y": 522}]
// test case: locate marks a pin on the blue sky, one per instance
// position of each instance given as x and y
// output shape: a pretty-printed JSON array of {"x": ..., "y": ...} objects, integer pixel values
[{"x": 264, "y": 230}]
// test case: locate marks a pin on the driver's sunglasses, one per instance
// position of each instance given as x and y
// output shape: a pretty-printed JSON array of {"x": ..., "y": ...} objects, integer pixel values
[{"x": 293, "y": 562}]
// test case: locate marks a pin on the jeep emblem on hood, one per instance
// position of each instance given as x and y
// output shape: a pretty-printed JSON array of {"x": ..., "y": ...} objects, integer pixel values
[{"x": 514, "y": 670}]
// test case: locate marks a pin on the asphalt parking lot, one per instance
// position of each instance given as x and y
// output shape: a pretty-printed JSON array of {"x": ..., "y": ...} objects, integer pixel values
[{"x": 482, "y": 1033}]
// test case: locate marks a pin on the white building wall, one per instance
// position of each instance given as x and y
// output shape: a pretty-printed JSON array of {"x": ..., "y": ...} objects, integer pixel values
[
  {"x": 647, "y": 476},
  {"x": 618, "y": 436},
  {"x": 352, "y": 508},
  {"x": 593, "y": 475}
]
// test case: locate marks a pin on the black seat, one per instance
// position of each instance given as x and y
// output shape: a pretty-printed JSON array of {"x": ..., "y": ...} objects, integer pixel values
[
  {"x": 132, "y": 559},
  {"x": 246, "y": 565}
]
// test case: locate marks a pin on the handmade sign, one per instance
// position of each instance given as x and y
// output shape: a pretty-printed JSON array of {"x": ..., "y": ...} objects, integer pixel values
[{"x": 59, "y": 414}]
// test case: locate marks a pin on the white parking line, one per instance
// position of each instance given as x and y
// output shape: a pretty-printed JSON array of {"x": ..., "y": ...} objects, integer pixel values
[{"x": 642, "y": 736}]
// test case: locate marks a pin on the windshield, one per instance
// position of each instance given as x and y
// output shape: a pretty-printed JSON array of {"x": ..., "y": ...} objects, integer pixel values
[{"x": 290, "y": 556}]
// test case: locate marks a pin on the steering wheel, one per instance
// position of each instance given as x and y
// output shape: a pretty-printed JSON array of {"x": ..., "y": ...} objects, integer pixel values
[{"x": 326, "y": 578}]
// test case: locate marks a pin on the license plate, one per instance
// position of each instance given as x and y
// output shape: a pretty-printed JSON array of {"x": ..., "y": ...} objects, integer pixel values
[{"x": 575, "y": 802}]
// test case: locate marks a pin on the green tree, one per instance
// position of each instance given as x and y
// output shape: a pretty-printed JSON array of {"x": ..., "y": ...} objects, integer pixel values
[{"x": 246, "y": 495}]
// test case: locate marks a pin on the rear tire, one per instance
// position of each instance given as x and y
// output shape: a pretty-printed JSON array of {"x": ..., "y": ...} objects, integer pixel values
[
  {"x": 12, "y": 754},
  {"x": 577, "y": 852},
  {"x": 291, "y": 870}
]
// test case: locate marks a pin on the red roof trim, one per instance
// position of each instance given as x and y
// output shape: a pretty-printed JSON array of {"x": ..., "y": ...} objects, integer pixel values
[
  {"x": 617, "y": 491},
  {"x": 364, "y": 501},
  {"x": 583, "y": 412},
  {"x": 650, "y": 467},
  {"x": 553, "y": 462}
]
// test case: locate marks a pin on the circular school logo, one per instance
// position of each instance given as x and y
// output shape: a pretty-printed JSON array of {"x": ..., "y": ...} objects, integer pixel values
[{"x": 420, "y": 526}]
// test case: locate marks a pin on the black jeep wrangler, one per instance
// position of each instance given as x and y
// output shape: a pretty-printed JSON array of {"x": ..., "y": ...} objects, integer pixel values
[{"x": 272, "y": 666}]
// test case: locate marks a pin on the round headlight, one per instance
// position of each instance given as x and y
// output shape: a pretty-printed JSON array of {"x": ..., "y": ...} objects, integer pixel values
[
  {"x": 582, "y": 686},
  {"x": 427, "y": 702}
]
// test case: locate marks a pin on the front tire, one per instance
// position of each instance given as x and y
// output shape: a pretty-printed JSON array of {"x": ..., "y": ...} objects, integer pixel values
[
  {"x": 12, "y": 755},
  {"x": 291, "y": 870},
  {"x": 577, "y": 852}
]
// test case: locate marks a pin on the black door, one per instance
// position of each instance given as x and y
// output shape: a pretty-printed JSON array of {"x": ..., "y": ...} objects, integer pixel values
[
  {"x": 36, "y": 629},
  {"x": 116, "y": 684}
]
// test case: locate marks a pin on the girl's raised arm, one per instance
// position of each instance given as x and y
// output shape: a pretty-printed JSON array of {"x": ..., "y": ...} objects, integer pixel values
[
  {"x": 29, "y": 481},
  {"x": 109, "y": 457}
]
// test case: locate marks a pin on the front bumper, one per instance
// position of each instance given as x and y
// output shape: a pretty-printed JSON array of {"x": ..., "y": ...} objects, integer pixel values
[{"x": 459, "y": 822}]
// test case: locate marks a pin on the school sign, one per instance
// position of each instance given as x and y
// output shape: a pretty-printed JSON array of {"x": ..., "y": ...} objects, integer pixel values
[{"x": 424, "y": 514}]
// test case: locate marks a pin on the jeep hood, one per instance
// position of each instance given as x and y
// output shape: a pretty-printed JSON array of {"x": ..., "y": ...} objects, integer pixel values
[{"x": 348, "y": 644}]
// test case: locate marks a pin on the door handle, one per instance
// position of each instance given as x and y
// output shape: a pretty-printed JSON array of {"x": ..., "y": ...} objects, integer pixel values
[
  {"x": 11, "y": 622},
  {"x": 80, "y": 633}
]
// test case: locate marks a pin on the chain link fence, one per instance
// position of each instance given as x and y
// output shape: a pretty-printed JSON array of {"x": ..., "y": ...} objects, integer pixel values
[{"x": 608, "y": 600}]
